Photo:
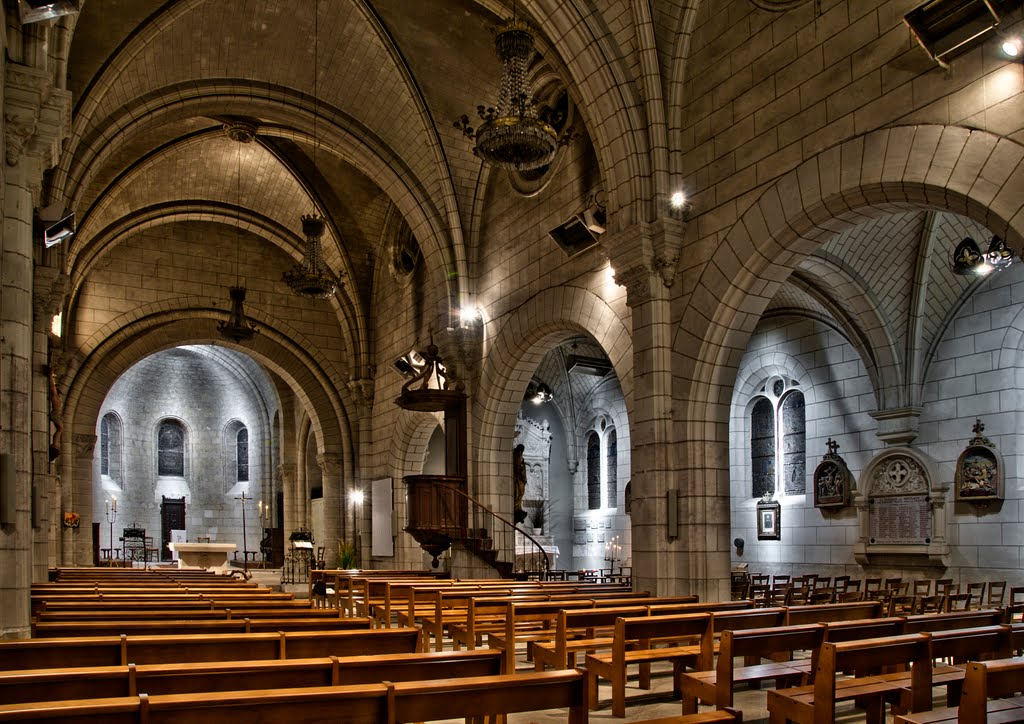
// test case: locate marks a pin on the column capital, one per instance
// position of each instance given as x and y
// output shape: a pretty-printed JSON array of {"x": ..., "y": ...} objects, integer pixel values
[
  {"x": 37, "y": 116},
  {"x": 330, "y": 463},
  {"x": 362, "y": 390},
  {"x": 644, "y": 257},
  {"x": 286, "y": 471},
  {"x": 85, "y": 444}
]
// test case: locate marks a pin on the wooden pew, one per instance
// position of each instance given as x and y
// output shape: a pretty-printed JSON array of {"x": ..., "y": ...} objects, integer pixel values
[
  {"x": 833, "y": 612},
  {"x": 96, "y": 682},
  {"x": 68, "y": 629},
  {"x": 632, "y": 645},
  {"x": 210, "y": 614},
  {"x": 958, "y": 646},
  {"x": 954, "y": 619},
  {"x": 816, "y": 703},
  {"x": 583, "y": 631},
  {"x": 123, "y": 650},
  {"x": 716, "y": 686},
  {"x": 472, "y": 698},
  {"x": 986, "y": 684},
  {"x": 707, "y": 717}
]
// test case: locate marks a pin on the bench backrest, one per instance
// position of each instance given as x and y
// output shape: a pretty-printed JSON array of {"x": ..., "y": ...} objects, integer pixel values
[
  {"x": 829, "y": 612},
  {"x": 972, "y": 643},
  {"x": 985, "y": 679},
  {"x": 871, "y": 655},
  {"x": 390, "y": 702},
  {"x": 952, "y": 620},
  {"x": 762, "y": 643},
  {"x": 647, "y": 628},
  {"x": 870, "y": 628}
]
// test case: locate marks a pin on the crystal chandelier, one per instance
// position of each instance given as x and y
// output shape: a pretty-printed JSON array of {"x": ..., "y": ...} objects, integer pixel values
[
  {"x": 312, "y": 277},
  {"x": 238, "y": 328},
  {"x": 511, "y": 136}
]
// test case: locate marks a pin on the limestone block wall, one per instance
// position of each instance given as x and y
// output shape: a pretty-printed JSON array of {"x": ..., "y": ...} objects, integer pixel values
[
  {"x": 209, "y": 397},
  {"x": 976, "y": 372}
]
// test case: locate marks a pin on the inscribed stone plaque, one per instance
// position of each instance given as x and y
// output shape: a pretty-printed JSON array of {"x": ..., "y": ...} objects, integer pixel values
[{"x": 900, "y": 519}]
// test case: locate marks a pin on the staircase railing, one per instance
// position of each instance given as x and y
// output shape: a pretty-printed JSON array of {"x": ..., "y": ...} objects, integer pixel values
[{"x": 525, "y": 556}]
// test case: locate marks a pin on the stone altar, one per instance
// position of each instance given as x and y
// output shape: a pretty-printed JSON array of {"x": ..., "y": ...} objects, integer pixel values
[{"x": 202, "y": 555}]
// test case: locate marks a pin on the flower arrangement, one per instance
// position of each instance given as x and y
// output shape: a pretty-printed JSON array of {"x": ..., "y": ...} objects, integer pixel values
[{"x": 72, "y": 519}]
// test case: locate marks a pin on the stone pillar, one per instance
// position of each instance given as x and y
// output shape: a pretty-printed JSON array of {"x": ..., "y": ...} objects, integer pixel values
[
  {"x": 76, "y": 545},
  {"x": 334, "y": 493},
  {"x": 294, "y": 515},
  {"x": 36, "y": 118},
  {"x": 693, "y": 558},
  {"x": 363, "y": 393}
]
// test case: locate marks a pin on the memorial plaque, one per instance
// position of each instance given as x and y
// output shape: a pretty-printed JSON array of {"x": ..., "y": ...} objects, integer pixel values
[{"x": 900, "y": 519}]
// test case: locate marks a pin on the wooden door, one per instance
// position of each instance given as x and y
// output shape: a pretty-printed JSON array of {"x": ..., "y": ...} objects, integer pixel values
[{"x": 172, "y": 517}]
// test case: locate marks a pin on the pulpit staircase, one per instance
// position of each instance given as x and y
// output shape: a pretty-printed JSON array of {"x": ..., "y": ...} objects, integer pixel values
[{"x": 440, "y": 508}]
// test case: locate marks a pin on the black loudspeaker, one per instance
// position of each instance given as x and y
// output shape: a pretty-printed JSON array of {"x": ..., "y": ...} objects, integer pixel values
[{"x": 8, "y": 489}]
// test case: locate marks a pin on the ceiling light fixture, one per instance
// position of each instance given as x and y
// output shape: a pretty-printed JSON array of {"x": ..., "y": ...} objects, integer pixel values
[
  {"x": 312, "y": 278},
  {"x": 538, "y": 393},
  {"x": 238, "y": 328},
  {"x": 1012, "y": 47},
  {"x": 969, "y": 259},
  {"x": 511, "y": 135}
]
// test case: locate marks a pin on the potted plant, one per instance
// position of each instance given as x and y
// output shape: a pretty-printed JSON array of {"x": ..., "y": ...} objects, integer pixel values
[
  {"x": 541, "y": 516},
  {"x": 346, "y": 555}
]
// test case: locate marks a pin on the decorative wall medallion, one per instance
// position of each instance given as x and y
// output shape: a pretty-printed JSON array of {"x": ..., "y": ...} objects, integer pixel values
[
  {"x": 832, "y": 480},
  {"x": 979, "y": 470},
  {"x": 899, "y": 475}
]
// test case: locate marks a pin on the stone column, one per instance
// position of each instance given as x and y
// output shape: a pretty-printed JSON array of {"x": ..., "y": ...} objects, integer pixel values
[
  {"x": 693, "y": 558},
  {"x": 362, "y": 390},
  {"x": 75, "y": 546},
  {"x": 36, "y": 118},
  {"x": 334, "y": 493},
  {"x": 293, "y": 512}
]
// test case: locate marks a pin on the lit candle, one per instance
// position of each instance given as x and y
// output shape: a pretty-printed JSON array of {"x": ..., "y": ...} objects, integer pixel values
[
  {"x": 113, "y": 507},
  {"x": 108, "y": 506}
]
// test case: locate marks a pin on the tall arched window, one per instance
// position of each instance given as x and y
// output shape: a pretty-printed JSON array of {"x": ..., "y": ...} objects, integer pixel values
[
  {"x": 778, "y": 448},
  {"x": 611, "y": 485},
  {"x": 242, "y": 455},
  {"x": 171, "y": 449},
  {"x": 110, "y": 446},
  {"x": 593, "y": 471}
]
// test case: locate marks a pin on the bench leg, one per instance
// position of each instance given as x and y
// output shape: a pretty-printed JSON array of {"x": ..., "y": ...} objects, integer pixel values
[
  {"x": 591, "y": 690},
  {"x": 644, "y": 676},
  {"x": 619, "y": 692}
]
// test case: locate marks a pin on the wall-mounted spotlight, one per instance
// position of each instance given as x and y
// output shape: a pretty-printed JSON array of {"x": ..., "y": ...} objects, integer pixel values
[
  {"x": 969, "y": 259},
  {"x": 538, "y": 393},
  {"x": 1012, "y": 47},
  {"x": 55, "y": 224},
  {"x": 34, "y": 11}
]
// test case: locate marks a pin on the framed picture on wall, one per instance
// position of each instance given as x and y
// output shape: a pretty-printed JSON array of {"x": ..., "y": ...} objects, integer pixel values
[{"x": 768, "y": 521}]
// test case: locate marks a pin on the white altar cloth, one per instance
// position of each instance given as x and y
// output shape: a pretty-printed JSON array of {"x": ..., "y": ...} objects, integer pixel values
[{"x": 202, "y": 555}]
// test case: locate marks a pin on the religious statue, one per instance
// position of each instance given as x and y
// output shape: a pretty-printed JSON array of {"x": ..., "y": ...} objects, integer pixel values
[
  {"x": 518, "y": 482},
  {"x": 56, "y": 416}
]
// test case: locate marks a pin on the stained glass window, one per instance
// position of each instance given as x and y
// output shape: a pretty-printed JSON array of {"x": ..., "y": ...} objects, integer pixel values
[
  {"x": 171, "y": 449},
  {"x": 593, "y": 471}
]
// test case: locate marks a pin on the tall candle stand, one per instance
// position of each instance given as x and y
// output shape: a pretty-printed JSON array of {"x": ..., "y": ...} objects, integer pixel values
[
  {"x": 264, "y": 521},
  {"x": 111, "y": 517},
  {"x": 245, "y": 547}
]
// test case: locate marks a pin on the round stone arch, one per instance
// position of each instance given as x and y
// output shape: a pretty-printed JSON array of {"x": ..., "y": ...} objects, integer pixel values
[
  {"x": 951, "y": 168},
  {"x": 407, "y": 450},
  {"x": 438, "y": 231},
  {"x": 512, "y": 355},
  {"x": 109, "y": 353}
]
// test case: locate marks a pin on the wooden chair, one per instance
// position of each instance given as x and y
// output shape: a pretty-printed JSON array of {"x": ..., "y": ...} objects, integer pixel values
[
  {"x": 931, "y": 604},
  {"x": 996, "y": 593},
  {"x": 977, "y": 593},
  {"x": 922, "y": 587},
  {"x": 944, "y": 586},
  {"x": 1016, "y": 605},
  {"x": 958, "y": 602}
]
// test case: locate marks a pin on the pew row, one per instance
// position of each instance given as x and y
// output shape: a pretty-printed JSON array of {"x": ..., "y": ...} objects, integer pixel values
[
  {"x": 99, "y": 682},
  {"x": 477, "y": 699},
  {"x": 148, "y": 626},
  {"x": 123, "y": 650},
  {"x": 988, "y": 698}
]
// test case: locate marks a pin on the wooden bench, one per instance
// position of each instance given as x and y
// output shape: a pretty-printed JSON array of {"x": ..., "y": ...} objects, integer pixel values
[
  {"x": 67, "y": 629},
  {"x": 816, "y": 703},
  {"x": 708, "y": 717},
  {"x": 632, "y": 644},
  {"x": 951, "y": 620},
  {"x": 833, "y": 612},
  {"x": 986, "y": 686},
  {"x": 96, "y": 682},
  {"x": 472, "y": 698},
  {"x": 123, "y": 650},
  {"x": 716, "y": 686}
]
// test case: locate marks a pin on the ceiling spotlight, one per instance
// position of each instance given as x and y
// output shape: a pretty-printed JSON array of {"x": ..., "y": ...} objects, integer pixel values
[
  {"x": 1012, "y": 47},
  {"x": 678, "y": 200},
  {"x": 538, "y": 393},
  {"x": 469, "y": 314},
  {"x": 969, "y": 259}
]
